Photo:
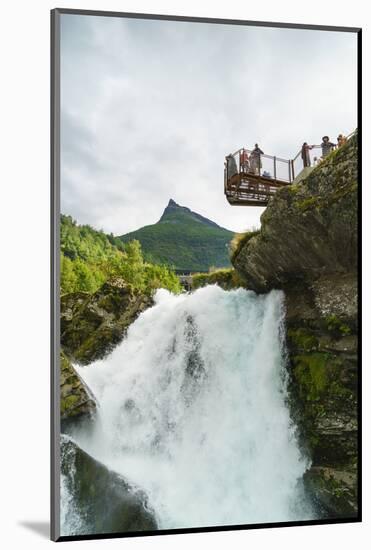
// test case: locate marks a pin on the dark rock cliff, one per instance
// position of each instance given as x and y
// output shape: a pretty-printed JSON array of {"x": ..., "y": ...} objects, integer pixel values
[
  {"x": 307, "y": 246},
  {"x": 307, "y": 229},
  {"x": 100, "y": 500}
]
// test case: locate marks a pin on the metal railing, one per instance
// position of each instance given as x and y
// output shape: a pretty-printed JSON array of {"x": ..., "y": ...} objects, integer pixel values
[
  {"x": 245, "y": 161},
  {"x": 314, "y": 156},
  {"x": 269, "y": 169}
]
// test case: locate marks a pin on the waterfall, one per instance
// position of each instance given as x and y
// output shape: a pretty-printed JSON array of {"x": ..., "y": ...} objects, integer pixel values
[{"x": 193, "y": 410}]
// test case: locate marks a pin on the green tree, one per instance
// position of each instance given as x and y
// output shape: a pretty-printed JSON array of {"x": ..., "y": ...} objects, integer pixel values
[
  {"x": 89, "y": 258},
  {"x": 68, "y": 276},
  {"x": 85, "y": 277}
]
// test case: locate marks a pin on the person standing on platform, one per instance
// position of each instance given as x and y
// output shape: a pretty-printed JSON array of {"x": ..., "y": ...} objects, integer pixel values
[
  {"x": 305, "y": 154},
  {"x": 244, "y": 161},
  {"x": 327, "y": 146},
  {"x": 341, "y": 139},
  {"x": 255, "y": 159}
]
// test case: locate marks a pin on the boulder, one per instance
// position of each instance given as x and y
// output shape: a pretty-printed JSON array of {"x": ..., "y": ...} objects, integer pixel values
[
  {"x": 96, "y": 500},
  {"x": 334, "y": 490}
]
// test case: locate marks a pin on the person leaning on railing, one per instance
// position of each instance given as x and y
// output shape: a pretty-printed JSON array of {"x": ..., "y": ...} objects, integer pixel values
[
  {"x": 305, "y": 153},
  {"x": 327, "y": 146}
]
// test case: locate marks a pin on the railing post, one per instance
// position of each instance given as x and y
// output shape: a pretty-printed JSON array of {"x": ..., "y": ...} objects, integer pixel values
[
  {"x": 292, "y": 168},
  {"x": 275, "y": 167}
]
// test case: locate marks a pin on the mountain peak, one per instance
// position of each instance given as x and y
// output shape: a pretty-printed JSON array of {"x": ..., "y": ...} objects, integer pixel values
[
  {"x": 171, "y": 209},
  {"x": 184, "y": 240},
  {"x": 174, "y": 213}
]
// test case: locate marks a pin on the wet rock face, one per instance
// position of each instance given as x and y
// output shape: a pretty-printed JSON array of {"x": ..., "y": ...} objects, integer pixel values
[
  {"x": 93, "y": 324},
  {"x": 97, "y": 500},
  {"x": 334, "y": 490},
  {"x": 337, "y": 295},
  {"x": 307, "y": 246},
  {"x": 322, "y": 344},
  {"x": 77, "y": 401},
  {"x": 308, "y": 229}
]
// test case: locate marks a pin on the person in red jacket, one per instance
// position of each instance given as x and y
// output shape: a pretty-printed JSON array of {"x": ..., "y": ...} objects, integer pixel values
[{"x": 244, "y": 161}]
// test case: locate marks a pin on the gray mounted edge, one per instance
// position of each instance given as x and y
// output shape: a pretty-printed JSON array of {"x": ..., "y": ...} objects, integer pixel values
[
  {"x": 195, "y": 19},
  {"x": 55, "y": 276}
]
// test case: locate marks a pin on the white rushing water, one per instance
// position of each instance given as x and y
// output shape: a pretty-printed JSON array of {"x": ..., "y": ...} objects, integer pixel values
[{"x": 193, "y": 410}]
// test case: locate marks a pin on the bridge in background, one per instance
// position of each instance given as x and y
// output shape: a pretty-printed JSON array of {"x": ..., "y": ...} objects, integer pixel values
[{"x": 185, "y": 277}]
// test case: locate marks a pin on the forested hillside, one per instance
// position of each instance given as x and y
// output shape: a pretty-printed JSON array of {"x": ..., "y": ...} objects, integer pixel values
[
  {"x": 90, "y": 257},
  {"x": 184, "y": 240}
]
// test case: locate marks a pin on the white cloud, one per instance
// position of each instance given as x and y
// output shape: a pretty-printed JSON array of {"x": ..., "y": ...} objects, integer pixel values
[{"x": 150, "y": 109}]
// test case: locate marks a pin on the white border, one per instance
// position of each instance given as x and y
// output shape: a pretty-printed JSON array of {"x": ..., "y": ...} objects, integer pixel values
[{"x": 24, "y": 402}]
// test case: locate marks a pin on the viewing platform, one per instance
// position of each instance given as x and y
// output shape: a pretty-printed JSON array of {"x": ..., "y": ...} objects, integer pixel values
[
  {"x": 251, "y": 178},
  {"x": 251, "y": 181}
]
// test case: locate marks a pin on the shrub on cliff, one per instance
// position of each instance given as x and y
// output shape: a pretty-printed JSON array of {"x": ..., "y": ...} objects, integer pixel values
[
  {"x": 239, "y": 240},
  {"x": 225, "y": 278}
]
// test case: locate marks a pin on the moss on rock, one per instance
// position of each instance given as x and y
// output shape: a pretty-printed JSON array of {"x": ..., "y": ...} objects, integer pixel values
[
  {"x": 323, "y": 390},
  {"x": 76, "y": 400},
  {"x": 311, "y": 373},
  {"x": 336, "y": 325},
  {"x": 93, "y": 324},
  {"x": 302, "y": 339}
]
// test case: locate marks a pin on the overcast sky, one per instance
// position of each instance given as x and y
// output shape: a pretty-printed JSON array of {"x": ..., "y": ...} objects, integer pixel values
[{"x": 151, "y": 108}]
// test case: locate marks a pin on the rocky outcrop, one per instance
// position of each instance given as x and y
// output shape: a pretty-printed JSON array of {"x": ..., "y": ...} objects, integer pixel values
[
  {"x": 93, "y": 324},
  {"x": 308, "y": 229},
  {"x": 308, "y": 247},
  {"x": 322, "y": 346},
  {"x": 98, "y": 500},
  {"x": 77, "y": 401}
]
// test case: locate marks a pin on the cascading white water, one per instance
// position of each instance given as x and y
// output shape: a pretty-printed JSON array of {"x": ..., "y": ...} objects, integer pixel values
[{"x": 193, "y": 410}]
